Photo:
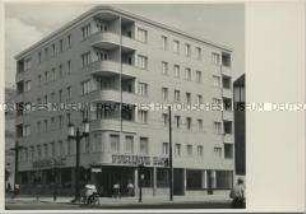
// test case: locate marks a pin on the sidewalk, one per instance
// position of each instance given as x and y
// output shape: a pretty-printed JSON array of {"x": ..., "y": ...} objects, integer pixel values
[{"x": 104, "y": 201}]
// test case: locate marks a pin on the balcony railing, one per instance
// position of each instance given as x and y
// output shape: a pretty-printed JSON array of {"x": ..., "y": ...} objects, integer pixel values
[{"x": 113, "y": 95}]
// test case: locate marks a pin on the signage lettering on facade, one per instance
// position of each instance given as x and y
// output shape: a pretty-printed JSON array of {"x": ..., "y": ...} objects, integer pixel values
[{"x": 138, "y": 159}]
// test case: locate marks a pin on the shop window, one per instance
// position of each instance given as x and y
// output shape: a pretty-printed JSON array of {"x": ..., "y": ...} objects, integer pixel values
[
  {"x": 194, "y": 179},
  {"x": 224, "y": 179},
  {"x": 162, "y": 178}
]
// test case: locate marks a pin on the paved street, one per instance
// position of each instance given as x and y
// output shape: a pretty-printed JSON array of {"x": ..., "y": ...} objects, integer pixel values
[{"x": 46, "y": 203}]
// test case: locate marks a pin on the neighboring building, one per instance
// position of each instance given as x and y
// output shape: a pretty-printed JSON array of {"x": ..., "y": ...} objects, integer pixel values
[
  {"x": 239, "y": 103},
  {"x": 10, "y": 94},
  {"x": 111, "y": 57}
]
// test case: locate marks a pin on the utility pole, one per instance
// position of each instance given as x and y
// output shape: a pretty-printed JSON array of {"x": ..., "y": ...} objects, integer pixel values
[{"x": 170, "y": 156}]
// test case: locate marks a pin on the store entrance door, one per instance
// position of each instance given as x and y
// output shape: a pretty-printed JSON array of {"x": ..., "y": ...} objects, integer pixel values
[{"x": 178, "y": 182}]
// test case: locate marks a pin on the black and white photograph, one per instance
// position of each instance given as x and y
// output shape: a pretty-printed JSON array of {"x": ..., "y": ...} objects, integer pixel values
[{"x": 136, "y": 106}]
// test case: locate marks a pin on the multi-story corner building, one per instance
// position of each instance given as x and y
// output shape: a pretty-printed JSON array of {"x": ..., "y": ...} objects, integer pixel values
[
  {"x": 9, "y": 136},
  {"x": 125, "y": 67}
]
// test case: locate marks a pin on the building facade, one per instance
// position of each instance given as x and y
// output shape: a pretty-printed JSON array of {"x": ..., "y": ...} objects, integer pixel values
[
  {"x": 120, "y": 71},
  {"x": 10, "y": 136}
]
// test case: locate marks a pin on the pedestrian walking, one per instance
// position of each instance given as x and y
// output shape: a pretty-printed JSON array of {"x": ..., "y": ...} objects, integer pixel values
[{"x": 237, "y": 195}]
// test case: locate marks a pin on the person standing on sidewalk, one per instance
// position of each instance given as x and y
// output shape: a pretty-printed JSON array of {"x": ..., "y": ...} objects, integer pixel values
[
  {"x": 116, "y": 189},
  {"x": 237, "y": 195}
]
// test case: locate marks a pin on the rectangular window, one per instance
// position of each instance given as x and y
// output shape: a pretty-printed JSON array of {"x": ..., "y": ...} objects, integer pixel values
[
  {"x": 46, "y": 150},
  {"x": 177, "y": 72},
  {"x": 189, "y": 150},
  {"x": 68, "y": 92},
  {"x": 60, "y": 121},
  {"x": 46, "y": 125},
  {"x": 86, "y": 59},
  {"x": 26, "y": 130},
  {"x": 165, "y": 42},
  {"x": 60, "y": 70},
  {"x": 198, "y": 53},
  {"x": 69, "y": 41},
  {"x": 188, "y": 98},
  {"x": 217, "y": 128},
  {"x": 165, "y": 94},
  {"x": 52, "y": 145},
  {"x": 226, "y": 82},
  {"x": 143, "y": 116},
  {"x": 142, "y": 62},
  {"x": 165, "y": 119},
  {"x": 61, "y": 44},
  {"x": 177, "y": 121},
  {"x": 200, "y": 99},
  {"x": 216, "y": 81},
  {"x": 227, "y": 125},
  {"x": 176, "y": 46},
  {"x": 215, "y": 57},
  {"x": 228, "y": 151},
  {"x": 69, "y": 66},
  {"x": 165, "y": 68},
  {"x": 187, "y": 50},
  {"x": 46, "y": 50},
  {"x": 143, "y": 89},
  {"x": 165, "y": 148},
  {"x": 200, "y": 150},
  {"x": 218, "y": 152},
  {"x": 60, "y": 95},
  {"x": 38, "y": 125},
  {"x": 39, "y": 79},
  {"x": 53, "y": 53},
  {"x": 46, "y": 76},
  {"x": 28, "y": 85},
  {"x": 188, "y": 74},
  {"x": 144, "y": 145},
  {"x": 198, "y": 76},
  {"x": 114, "y": 141},
  {"x": 39, "y": 57},
  {"x": 177, "y": 96},
  {"x": 226, "y": 59},
  {"x": 200, "y": 124},
  {"x": 129, "y": 144},
  {"x": 53, "y": 75},
  {"x": 188, "y": 123},
  {"x": 142, "y": 35},
  {"x": 178, "y": 149},
  {"x": 86, "y": 31}
]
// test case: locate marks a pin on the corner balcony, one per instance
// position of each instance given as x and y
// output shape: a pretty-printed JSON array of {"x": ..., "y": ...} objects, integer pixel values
[
  {"x": 228, "y": 93},
  {"x": 228, "y": 115},
  {"x": 108, "y": 66},
  {"x": 106, "y": 40},
  {"x": 19, "y": 76},
  {"x": 228, "y": 138},
  {"x": 113, "y": 124},
  {"x": 104, "y": 67},
  {"x": 113, "y": 95},
  {"x": 225, "y": 70}
]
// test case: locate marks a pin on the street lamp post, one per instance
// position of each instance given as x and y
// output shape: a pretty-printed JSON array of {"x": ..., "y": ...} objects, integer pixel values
[
  {"x": 141, "y": 173},
  {"x": 16, "y": 149},
  {"x": 77, "y": 136}
]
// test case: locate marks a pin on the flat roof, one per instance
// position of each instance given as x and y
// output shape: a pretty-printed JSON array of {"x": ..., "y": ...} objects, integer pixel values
[{"x": 106, "y": 8}]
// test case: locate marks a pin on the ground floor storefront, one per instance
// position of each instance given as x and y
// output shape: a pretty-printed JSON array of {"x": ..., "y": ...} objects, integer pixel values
[{"x": 152, "y": 180}]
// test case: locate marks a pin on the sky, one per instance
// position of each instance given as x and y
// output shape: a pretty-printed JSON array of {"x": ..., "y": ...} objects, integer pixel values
[{"x": 27, "y": 23}]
